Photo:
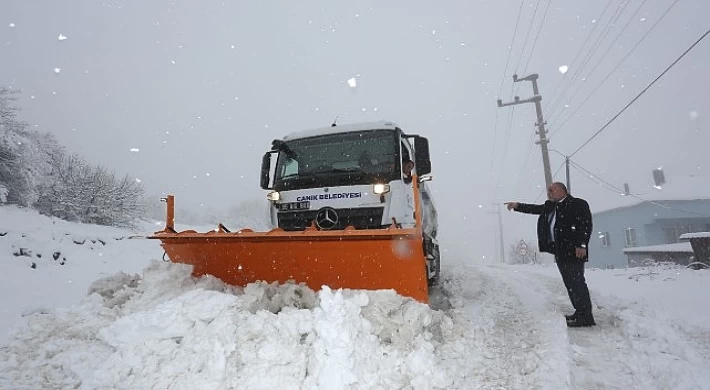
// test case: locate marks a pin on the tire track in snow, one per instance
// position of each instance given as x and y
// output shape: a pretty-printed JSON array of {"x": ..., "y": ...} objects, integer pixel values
[{"x": 512, "y": 346}]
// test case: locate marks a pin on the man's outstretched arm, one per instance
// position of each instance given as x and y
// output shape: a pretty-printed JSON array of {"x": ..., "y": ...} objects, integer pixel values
[{"x": 525, "y": 207}]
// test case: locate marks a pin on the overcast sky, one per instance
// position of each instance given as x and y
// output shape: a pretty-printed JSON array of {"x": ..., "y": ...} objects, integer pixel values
[{"x": 200, "y": 89}]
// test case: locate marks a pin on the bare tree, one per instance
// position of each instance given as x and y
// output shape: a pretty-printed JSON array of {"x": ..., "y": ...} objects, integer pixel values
[
  {"x": 522, "y": 253},
  {"x": 77, "y": 191},
  {"x": 35, "y": 170},
  {"x": 15, "y": 178}
]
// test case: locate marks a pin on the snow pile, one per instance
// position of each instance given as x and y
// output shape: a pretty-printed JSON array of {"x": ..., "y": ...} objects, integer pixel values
[{"x": 168, "y": 329}]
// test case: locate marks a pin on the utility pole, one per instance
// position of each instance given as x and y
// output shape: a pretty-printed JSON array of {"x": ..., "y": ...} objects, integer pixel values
[
  {"x": 569, "y": 184},
  {"x": 500, "y": 232},
  {"x": 540, "y": 122}
]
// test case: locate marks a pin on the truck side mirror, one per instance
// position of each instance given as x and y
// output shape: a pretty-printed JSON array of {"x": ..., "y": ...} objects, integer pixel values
[
  {"x": 265, "y": 170},
  {"x": 421, "y": 155}
]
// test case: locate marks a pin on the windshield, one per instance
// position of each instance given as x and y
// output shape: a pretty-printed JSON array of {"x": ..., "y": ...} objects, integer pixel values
[{"x": 337, "y": 159}]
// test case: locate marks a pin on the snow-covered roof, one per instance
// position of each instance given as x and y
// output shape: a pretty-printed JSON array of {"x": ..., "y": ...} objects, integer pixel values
[
  {"x": 688, "y": 236},
  {"x": 677, "y": 247},
  {"x": 380, "y": 125}
]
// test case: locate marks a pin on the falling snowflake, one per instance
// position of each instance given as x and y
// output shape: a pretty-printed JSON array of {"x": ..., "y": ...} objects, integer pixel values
[
  {"x": 57, "y": 70},
  {"x": 138, "y": 180},
  {"x": 352, "y": 83},
  {"x": 642, "y": 20},
  {"x": 563, "y": 69},
  {"x": 135, "y": 150},
  {"x": 12, "y": 25},
  {"x": 62, "y": 37}
]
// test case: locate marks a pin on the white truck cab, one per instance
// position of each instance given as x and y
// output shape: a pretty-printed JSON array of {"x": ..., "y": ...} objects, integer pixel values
[{"x": 351, "y": 175}]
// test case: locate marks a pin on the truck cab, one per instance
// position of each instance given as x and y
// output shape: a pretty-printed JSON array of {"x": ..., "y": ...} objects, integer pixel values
[{"x": 356, "y": 175}]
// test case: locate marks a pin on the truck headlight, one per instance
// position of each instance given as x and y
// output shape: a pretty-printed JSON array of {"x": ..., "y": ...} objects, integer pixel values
[
  {"x": 273, "y": 196},
  {"x": 381, "y": 188}
]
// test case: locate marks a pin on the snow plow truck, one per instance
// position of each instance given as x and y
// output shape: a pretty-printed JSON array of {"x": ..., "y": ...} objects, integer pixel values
[{"x": 349, "y": 207}]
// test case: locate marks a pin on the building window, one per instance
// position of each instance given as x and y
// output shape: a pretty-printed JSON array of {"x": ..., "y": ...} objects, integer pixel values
[
  {"x": 631, "y": 237},
  {"x": 606, "y": 239},
  {"x": 674, "y": 232}
]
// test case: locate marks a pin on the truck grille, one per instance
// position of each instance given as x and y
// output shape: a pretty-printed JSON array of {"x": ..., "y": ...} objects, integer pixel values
[{"x": 360, "y": 218}]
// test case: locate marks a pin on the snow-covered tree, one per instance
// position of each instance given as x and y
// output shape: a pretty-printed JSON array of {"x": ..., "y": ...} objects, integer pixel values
[
  {"x": 15, "y": 177},
  {"x": 77, "y": 191},
  {"x": 35, "y": 170}
]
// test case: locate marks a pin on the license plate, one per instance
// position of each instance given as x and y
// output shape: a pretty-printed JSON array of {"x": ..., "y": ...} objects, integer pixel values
[{"x": 294, "y": 206}]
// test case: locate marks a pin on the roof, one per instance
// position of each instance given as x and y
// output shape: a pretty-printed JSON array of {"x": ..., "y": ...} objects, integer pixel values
[
  {"x": 688, "y": 236},
  {"x": 683, "y": 188},
  {"x": 674, "y": 248},
  {"x": 380, "y": 125}
]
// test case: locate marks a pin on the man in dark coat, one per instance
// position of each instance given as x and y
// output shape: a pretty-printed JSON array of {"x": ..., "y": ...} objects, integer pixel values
[{"x": 564, "y": 226}]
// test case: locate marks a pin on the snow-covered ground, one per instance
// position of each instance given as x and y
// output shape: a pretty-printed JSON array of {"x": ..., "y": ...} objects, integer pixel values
[{"x": 114, "y": 315}]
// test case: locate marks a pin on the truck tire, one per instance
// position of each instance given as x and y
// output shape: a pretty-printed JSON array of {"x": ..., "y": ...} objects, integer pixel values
[{"x": 434, "y": 280}]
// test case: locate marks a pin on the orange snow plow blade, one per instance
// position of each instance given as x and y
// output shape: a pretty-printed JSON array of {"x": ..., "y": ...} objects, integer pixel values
[{"x": 391, "y": 258}]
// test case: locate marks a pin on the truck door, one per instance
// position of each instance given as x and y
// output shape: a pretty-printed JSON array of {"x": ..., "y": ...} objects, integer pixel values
[{"x": 407, "y": 154}]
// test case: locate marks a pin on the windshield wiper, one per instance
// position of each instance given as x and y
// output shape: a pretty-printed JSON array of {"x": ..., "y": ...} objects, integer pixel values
[
  {"x": 349, "y": 170},
  {"x": 301, "y": 175}
]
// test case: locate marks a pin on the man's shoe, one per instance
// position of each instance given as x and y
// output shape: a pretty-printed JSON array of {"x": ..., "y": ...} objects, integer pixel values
[
  {"x": 570, "y": 317},
  {"x": 581, "y": 321}
]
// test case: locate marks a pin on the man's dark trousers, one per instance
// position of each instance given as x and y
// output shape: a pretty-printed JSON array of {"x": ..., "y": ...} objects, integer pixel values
[{"x": 572, "y": 272}]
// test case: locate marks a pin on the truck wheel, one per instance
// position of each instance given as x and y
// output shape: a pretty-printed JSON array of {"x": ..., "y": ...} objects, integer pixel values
[{"x": 434, "y": 280}]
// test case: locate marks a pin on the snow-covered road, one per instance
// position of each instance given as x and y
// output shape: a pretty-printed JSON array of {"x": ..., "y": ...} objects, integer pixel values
[{"x": 516, "y": 314}]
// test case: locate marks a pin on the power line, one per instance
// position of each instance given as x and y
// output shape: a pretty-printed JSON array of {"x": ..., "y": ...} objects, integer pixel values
[
  {"x": 517, "y": 66},
  {"x": 581, "y": 48},
  {"x": 615, "y": 68},
  {"x": 523, "y": 169},
  {"x": 502, "y": 80},
  {"x": 544, "y": 16},
  {"x": 522, "y": 54},
  {"x": 608, "y": 186},
  {"x": 510, "y": 49},
  {"x": 588, "y": 57},
  {"x": 596, "y": 65},
  {"x": 507, "y": 138},
  {"x": 532, "y": 21},
  {"x": 641, "y": 93}
]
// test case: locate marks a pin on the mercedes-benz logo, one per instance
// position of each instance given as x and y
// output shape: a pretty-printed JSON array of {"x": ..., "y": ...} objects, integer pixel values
[{"x": 326, "y": 218}]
